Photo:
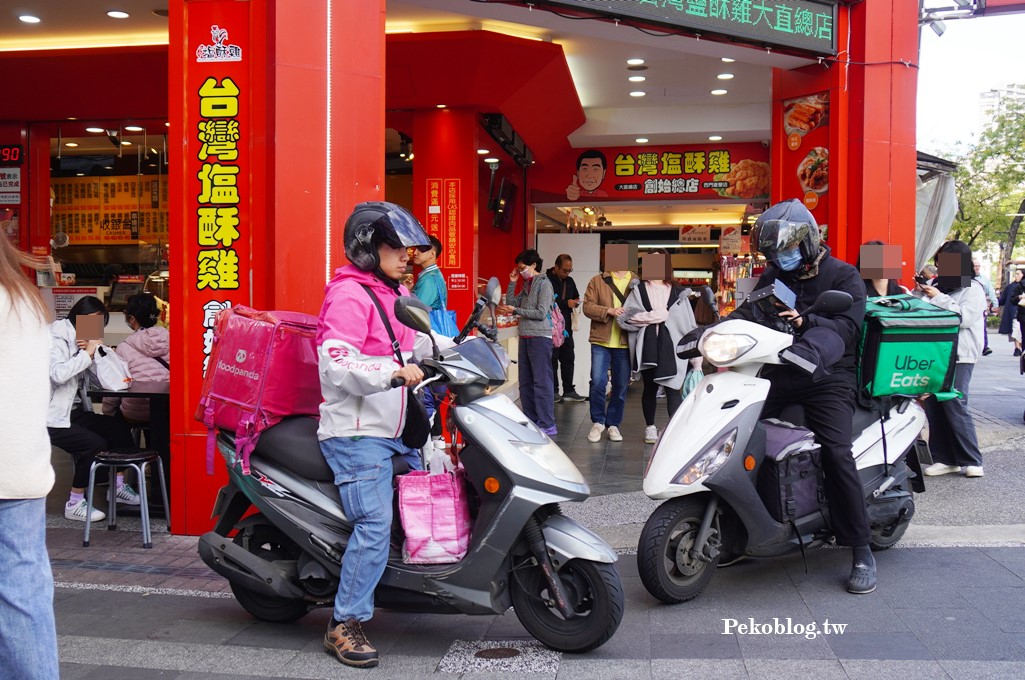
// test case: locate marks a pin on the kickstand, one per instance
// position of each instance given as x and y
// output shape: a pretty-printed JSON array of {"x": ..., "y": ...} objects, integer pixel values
[{"x": 800, "y": 542}]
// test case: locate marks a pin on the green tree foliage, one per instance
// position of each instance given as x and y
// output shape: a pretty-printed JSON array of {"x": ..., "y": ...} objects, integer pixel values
[{"x": 990, "y": 183}]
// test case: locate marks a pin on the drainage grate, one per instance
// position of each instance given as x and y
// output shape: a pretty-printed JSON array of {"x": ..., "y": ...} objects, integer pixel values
[{"x": 497, "y": 653}]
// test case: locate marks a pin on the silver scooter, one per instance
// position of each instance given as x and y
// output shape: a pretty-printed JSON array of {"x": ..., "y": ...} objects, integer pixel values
[{"x": 559, "y": 577}]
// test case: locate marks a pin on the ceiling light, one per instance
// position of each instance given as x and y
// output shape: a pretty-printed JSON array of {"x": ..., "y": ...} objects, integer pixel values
[
  {"x": 938, "y": 27},
  {"x": 491, "y": 160},
  {"x": 125, "y": 143},
  {"x": 483, "y": 152},
  {"x": 638, "y": 93},
  {"x": 167, "y": 125},
  {"x": 160, "y": 13},
  {"x": 133, "y": 128},
  {"x": 29, "y": 19},
  {"x": 94, "y": 129},
  {"x": 79, "y": 174},
  {"x": 718, "y": 92},
  {"x": 641, "y": 140},
  {"x": 71, "y": 144},
  {"x": 636, "y": 79},
  {"x": 117, "y": 14},
  {"x": 72, "y": 118},
  {"x": 108, "y": 167},
  {"x": 715, "y": 138},
  {"x": 727, "y": 60},
  {"x": 440, "y": 106},
  {"x": 725, "y": 76},
  {"x": 634, "y": 62}
]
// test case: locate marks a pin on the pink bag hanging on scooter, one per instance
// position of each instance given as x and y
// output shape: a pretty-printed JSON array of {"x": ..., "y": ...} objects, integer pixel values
[{"x": 435, "y": 516}]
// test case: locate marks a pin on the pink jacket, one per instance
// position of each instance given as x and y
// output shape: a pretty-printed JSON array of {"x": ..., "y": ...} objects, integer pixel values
[{"x": 138, "y": 351}]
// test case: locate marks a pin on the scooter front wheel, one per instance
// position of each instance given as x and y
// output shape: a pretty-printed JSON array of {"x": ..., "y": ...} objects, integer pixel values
[
  {"x": 668, "y": 569},
  {"x": 595, "y": 593}
]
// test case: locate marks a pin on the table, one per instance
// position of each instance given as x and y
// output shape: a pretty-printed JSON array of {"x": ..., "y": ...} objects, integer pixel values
[{"x": 159, "y": 429}]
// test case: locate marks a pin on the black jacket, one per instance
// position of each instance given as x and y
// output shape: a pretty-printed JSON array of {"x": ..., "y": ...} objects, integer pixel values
[
  {"x": 565, "y": 290},
  {"x": 833, "y": 274}
]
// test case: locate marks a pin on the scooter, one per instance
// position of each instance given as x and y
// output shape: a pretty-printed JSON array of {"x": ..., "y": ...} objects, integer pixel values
[
  {"x": 559, "y": 577},
  {"x": 707, "y": 462}
]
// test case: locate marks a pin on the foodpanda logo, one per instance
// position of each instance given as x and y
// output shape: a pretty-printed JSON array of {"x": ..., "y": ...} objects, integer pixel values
[
  {"x": 338, "y": 352},
  {"x": 240, "y": 356},
  {"x": 909, "y": 363}
]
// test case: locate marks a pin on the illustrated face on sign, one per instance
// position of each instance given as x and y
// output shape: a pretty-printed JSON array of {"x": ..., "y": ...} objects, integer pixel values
[
  {"x": 620, "y": 257},
  {"x": 590, "y": 172},
  {"x": 656, "y": 267},
  {"x": 954, "y": 270},
  {"x": 880, "y": 261}
]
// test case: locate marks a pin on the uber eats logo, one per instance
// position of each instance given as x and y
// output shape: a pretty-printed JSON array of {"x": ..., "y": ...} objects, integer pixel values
[{"x": 909, "y": 371}]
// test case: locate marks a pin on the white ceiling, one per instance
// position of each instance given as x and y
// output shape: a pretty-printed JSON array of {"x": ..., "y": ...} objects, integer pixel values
[{"x": 677, "y": 109}]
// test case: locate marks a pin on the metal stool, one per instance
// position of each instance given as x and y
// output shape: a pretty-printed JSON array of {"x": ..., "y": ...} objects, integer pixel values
[{"x": 137, "y": 459}]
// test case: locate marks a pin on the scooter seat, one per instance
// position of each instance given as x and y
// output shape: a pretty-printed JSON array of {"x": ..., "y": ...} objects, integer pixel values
[
  {"x": 293, "y": 444},
  {"x": 863, "y": 417}
]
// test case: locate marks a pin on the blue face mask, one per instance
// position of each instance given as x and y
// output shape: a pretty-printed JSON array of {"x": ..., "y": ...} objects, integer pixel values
[{"x": 790, "y": 259}]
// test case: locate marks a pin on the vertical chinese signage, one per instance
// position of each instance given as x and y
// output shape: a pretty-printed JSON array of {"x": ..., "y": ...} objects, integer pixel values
[
  {"x": 217, "y": 192},
  {"x": 805, "y": 167},
  {"x": 443, "y": 223}
]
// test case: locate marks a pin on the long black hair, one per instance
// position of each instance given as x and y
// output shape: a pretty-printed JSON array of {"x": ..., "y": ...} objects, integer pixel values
[{"x": 88, "y": 305}]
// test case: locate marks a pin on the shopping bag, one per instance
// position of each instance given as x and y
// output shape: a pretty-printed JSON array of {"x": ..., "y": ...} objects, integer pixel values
[
  {"x": 109, "y": 370},
  {"x": 443, "y": 322},
  {"x": 692, "y": 380},
  {"x": 435, "y": 516}
]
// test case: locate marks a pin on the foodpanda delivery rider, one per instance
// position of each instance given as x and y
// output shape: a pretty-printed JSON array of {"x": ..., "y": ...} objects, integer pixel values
[
  {"x": 362, "y": 417},
  {"x": 787, "y": 235}
]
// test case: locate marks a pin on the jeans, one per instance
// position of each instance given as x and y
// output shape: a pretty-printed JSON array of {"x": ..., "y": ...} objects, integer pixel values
[
  {"x": 537, "y": 384},
  {"x": 602, "y": 358},
  {"x": 28, "y": 636},
  {"x": 952, "y": 438},
  {"x": 363, "y": 474}
]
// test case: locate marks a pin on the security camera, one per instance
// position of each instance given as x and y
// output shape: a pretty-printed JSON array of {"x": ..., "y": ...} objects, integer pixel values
[{"x": 765, "y": 144}]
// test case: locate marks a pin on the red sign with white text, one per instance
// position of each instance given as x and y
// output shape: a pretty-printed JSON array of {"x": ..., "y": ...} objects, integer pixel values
[{"x": 656, "y": 173}]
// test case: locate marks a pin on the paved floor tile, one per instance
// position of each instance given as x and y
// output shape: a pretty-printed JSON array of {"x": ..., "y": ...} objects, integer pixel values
[
  {"x": 880, "y": 646},
  {"x": 772, "y": 669},
  {"x": 905, "y": 670},
  {"x": 695, "y": 646}
]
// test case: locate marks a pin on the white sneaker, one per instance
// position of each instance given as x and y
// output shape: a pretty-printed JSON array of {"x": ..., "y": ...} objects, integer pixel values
[
  {"x": 937, "y": 469},
  {"x": 126, "y": 495},
  {"x": 595, "y": 434},
  {"x": 650, "y": 434},
  {"x": 77, "y": 512},
  {"x": 614, "y": 434},
  {"x": 973, "y": 471}
]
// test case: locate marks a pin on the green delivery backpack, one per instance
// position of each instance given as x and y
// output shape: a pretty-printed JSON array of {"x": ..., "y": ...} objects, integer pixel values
[{"x": 908, "y": 347}]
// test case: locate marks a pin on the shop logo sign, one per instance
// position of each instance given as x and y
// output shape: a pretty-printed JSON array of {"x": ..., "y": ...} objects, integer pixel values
[
  {"x": 220, "y": 50},
  {"x": 240, "y": 356}
]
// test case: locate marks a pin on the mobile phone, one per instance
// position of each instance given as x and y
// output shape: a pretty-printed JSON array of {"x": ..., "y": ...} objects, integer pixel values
[{"x": 921, "y": 279}]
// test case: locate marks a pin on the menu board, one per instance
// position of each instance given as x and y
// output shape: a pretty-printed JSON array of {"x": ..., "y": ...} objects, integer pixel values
[{"x": 108, "y": 210}]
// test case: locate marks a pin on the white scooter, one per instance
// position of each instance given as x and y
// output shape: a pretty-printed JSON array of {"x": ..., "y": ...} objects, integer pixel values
[{"x": 707, "y": 461}]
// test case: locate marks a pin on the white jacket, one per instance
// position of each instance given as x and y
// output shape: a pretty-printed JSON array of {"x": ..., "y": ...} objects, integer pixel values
[
  {"x": 25, "y": 470},
  {"x": 970, "y": 303},
  {"x": 69, "y": 366}
]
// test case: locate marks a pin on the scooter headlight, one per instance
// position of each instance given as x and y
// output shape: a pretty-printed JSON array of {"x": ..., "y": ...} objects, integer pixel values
[
  {"x": 722, "y": 348},
  {"x": 709, "y": 460}
]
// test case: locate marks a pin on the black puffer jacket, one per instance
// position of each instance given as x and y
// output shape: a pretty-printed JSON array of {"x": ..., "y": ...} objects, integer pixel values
[{"x": 833, "y": 274}]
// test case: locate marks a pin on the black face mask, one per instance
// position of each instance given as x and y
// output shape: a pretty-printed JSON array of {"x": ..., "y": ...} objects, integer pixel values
[{"x": 948, "y": 284}]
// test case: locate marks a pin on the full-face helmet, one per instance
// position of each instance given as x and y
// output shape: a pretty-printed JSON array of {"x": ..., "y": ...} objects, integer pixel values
[
  {"x": 374, "y": 223},
  {"x": 784, "y": 226}
]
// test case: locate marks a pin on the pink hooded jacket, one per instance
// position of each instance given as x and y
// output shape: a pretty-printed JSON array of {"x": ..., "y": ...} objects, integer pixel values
[{"x": 138, "y": 351}]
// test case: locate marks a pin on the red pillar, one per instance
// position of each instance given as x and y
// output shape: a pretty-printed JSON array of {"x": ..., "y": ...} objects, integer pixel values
[
  {"x": 306, "y": 152},
  {"x": 445, "y": 176}
]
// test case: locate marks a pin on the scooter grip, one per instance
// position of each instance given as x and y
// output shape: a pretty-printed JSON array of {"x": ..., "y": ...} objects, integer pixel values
[{"x": 398, "y": 382}]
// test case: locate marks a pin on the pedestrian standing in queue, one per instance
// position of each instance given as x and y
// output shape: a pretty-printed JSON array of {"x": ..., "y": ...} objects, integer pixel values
[
  {"x": 603, "y": 303},
  {"x": 533, "y": 304},
  {"x": 567, "y": 297},
  {"x": 952, "y": 438},
  {"x": 28, "y": 637}
]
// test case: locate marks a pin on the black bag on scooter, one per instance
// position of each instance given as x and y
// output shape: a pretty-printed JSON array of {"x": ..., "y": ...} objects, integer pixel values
[{"x": 790, "y": 480}]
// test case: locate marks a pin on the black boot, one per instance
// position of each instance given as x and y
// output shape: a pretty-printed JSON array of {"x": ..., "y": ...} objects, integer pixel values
[{"x": 863, "y": 574}]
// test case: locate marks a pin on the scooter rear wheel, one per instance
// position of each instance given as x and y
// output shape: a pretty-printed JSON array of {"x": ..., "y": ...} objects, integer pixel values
[
  {"x": 667, "y": 569},
  {"x": 270, "y": 544},
  {"x": 594, "y": 590}
]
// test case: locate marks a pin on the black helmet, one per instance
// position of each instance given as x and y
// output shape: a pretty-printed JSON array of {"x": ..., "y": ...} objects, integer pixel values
[
  {"x": 372, "y": 224},
  {"x": 783, "y": 226}
]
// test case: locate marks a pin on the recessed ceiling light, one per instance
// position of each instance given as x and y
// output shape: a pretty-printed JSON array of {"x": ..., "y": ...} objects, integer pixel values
[
  {"x": 126, "y": 143},
  {"x": 491, "y": 160},
  {"x": 636, "y": 79},
  {"x": 71, "y": 144},
  {"x": 79, "y": 174},
  {"x": 725, "y": 76},
  {"x": 634, "y": 62},
  {"x": 167, "y": 125},
  {"x": 29, "y": 19},
  {"x": 715, "y": 138},
  {"x": 108, "y": 167},
  {"x": 641, "y": 140},
  {"x": 94, "y": 129},
  {"x": 160, "y": 13},
  {"x": 72, "y": 118},
  {"x": 440, "y": 106},
  {"x": 133, "y": 128},
  {"x": 718, "y": 92},
  {"x": 638, "y": 93},
  {"x": 117, "y": 14},
  {"x": 483, "y": 152},
  {"x": 727, "y": 60}
]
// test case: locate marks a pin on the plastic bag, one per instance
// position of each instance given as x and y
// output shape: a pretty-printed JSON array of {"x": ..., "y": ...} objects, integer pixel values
[
  {"x": 692, "y": 380},
  {"x": 443, "y": 322},
  {"x": 109, "y": 370}
]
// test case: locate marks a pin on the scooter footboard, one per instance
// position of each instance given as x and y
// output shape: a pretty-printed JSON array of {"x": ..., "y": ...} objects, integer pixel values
[{"x": 567, "y": 540}]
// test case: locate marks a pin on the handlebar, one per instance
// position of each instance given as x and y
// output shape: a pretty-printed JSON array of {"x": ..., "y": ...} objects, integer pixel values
[{"x": 430, "y": 375}]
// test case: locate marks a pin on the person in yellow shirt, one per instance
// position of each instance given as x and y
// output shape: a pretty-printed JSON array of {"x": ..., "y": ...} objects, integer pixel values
[{"x": 603, "y": 302}]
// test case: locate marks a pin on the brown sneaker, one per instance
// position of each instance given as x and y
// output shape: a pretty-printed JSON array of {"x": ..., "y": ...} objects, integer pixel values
[{"x": 350, "y": 645}]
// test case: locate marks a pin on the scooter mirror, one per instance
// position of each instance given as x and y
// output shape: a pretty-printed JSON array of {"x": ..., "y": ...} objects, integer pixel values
[
  {"x": 493, "y": 292},
  {"x": 413, "y": 313},
  {"x": 831, "y": 302}
]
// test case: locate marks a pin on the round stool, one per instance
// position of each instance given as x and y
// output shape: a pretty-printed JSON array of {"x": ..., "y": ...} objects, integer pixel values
[{"x": 138, "y": 459}]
